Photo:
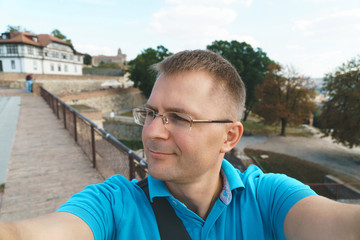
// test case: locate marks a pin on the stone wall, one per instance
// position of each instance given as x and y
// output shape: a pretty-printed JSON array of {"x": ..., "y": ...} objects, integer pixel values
[
  {"x": 61, "y": 84},
  {"x": 107, "y": 100},
  {"x": 103, "y": 71},
  {"x": 123, "y": 130}
]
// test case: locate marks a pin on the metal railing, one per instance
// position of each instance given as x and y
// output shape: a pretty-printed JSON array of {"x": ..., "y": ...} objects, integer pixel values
[
  {"x": 107, "y": 154},
  {"x": 337, "y": 190}
]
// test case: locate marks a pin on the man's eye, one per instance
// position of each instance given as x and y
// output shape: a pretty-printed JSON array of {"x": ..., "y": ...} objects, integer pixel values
[
  {"x": 150, "y": 113},
  {"x": 178, "y": 117}
]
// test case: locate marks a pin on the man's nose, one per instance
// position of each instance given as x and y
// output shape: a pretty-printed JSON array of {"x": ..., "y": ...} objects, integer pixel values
[{"x": 157, "y": 129}]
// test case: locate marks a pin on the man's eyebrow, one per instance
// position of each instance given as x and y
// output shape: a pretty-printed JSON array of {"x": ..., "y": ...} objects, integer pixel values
[
  {"x": 170, "y": 109},
  {"x": 149, "y": 106}
]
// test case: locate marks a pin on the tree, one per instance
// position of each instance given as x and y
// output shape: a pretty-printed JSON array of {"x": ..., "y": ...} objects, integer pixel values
[
  {"x": 284, "y": 96},
  {"x": 87, "y": 59},
  {"x": 58, "y": 34},
  {"x": 250, "y": 64},
  {"x": 340, "y": 117},
  {"x": 140, "y": 68},
  {"x": 14, "y": 29}
]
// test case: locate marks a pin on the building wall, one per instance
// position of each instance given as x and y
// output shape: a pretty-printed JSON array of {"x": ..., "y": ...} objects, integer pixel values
[
  {"x": 53, "y": 59},
  {"x": 8, "y": 66},
  {"x": 33, "y": 65}
]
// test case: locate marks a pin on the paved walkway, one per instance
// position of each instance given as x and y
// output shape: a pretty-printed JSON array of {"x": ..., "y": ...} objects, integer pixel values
[
  {"x": 46, "y": 166},
  {"x": 315, "y": 149}
]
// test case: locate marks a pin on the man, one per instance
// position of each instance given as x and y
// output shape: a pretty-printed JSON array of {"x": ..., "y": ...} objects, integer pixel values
[
  {"x": 189, "y": 122},
  {"x": 29, "y": 82}
]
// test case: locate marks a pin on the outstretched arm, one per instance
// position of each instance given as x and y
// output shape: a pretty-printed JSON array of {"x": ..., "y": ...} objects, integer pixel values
[
  {"x": 55, "y": 226},
  {"x": 317, "y": 217}
]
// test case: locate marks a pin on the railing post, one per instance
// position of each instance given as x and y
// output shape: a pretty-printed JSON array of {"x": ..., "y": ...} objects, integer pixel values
[
  {"x": 57, "y": 108},
  {"x": 75, "y": 130},
  {"x": 64, "y": 113},
  {"x": 52, "y": 104},
  {"x": 131, "y": 167},
  {"x": 93, "y": 146}
]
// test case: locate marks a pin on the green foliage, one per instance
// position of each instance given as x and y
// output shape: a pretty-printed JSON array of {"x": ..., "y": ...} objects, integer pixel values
[
  {"x": 108, "y": 65},
  {"x": 13, "y": 29},
  {"x": 87, "y": 59},
  {"x": 58, "y": 34},
  {"x": 284, "y": 97},
  {"x": 133, "y": 144},
  {"x": 340, "y": 116},
  {"x": 250, "y": 64},
  {"x": 140, "y": 68},
  {"x": 259, "y": 128}
]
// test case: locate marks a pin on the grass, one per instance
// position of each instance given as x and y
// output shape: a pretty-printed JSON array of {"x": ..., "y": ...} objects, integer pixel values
[
  {"x": 304, "y": 171},
  {"x": 133, "y": 144},
  {"x": 252, "y": 127},
  {"x": 127, "y": 114},
  {"x": 80, "y": 107}
]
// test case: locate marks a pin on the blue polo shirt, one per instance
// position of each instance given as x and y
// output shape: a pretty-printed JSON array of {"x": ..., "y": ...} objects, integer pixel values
[{"x": 252, "y": 205}]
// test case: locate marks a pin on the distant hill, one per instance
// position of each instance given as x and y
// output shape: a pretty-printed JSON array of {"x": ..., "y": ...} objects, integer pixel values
[{"x": 317, "y": 83}]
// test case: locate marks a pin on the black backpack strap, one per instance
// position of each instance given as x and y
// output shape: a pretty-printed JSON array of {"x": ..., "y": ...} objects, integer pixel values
[{"x": 169, "y": 224}]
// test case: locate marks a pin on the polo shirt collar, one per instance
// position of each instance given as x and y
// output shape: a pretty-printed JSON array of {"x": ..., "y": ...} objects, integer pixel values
[
  {"x": 231, "y": 178},
  {"x": 157, "y": 188},
  {"x": 232, "y": 175}
]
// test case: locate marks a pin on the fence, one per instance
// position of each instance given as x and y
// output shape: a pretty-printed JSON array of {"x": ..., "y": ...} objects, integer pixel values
[
  {"x": 108, "y": 155},
  {"x": 337, "y": 190}
]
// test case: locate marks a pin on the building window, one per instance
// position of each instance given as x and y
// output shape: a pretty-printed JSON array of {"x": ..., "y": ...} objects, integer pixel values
[
  {"x": 59, "y": 68},
  {"x": 78, "y": 58},
  {"x": 46, "y": 53},
  {"x": 1, "y": 50},
  {"x": 65, "y": 68},
  {"x": 71, "y": 57},
  {"x": 64, "y": 56},
  {"x": 52, "y": 67},
  {"x": 75, "y": 68},
  {"x": 13, "y": 64},
  {"x": 30, "y": 50},
  {"x": 39, "y": 52},
  {"x": 12, "y": 49},
  {"x": 35, "y": 65},
  {"x": 55, "y": 54}
]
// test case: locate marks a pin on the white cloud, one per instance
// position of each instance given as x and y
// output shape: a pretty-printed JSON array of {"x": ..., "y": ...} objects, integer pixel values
[
  {"x": 207, "y": 2},
  {"x": 193, "y": 25},
  {"x": 294, "y": 47},
  {"x": 319, "y": 63},
  {"x": 95, "y": 49},
  {"x": 337, "y": 21},
  {"x": 99, "y": 2}
]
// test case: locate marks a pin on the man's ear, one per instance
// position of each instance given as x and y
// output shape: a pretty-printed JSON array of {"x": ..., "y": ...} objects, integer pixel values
[{"x": 234, "y": 133}]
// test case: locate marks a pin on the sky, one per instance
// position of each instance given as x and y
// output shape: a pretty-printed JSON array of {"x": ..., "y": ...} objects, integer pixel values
[{"x": 313, "y": 36}]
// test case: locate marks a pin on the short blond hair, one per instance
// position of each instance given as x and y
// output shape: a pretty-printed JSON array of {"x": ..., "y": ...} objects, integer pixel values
[{"x": 223, "y": 73}]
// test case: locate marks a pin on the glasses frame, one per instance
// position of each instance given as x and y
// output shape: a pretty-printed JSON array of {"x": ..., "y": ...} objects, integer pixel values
[{"x": 165, "y": 121}]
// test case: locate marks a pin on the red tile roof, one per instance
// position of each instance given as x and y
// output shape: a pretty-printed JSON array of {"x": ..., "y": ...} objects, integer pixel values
[{"x": 28, "y": 38}]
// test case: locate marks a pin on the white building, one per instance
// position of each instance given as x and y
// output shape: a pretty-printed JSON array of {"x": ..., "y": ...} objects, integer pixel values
[{"x": 23, "y": 52}]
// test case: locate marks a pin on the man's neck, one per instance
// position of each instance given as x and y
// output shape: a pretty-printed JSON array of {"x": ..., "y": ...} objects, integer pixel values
[{"x": 199, "y": 196}]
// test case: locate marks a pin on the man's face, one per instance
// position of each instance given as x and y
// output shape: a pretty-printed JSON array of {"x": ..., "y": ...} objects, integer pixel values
[{"x": 186, "y": 156}]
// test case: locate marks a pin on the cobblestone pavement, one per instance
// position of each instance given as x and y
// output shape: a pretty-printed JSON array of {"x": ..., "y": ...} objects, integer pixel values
[{"x": 46, "y": 166}]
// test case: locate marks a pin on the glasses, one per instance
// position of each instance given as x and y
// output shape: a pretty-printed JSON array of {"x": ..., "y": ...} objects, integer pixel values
[{"x": 173, "y": 121}]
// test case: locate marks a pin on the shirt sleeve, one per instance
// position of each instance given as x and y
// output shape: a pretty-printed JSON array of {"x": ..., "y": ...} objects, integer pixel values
[
  {"x": 95, "y": 204},
  {"x": 277, "y": 194}
]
